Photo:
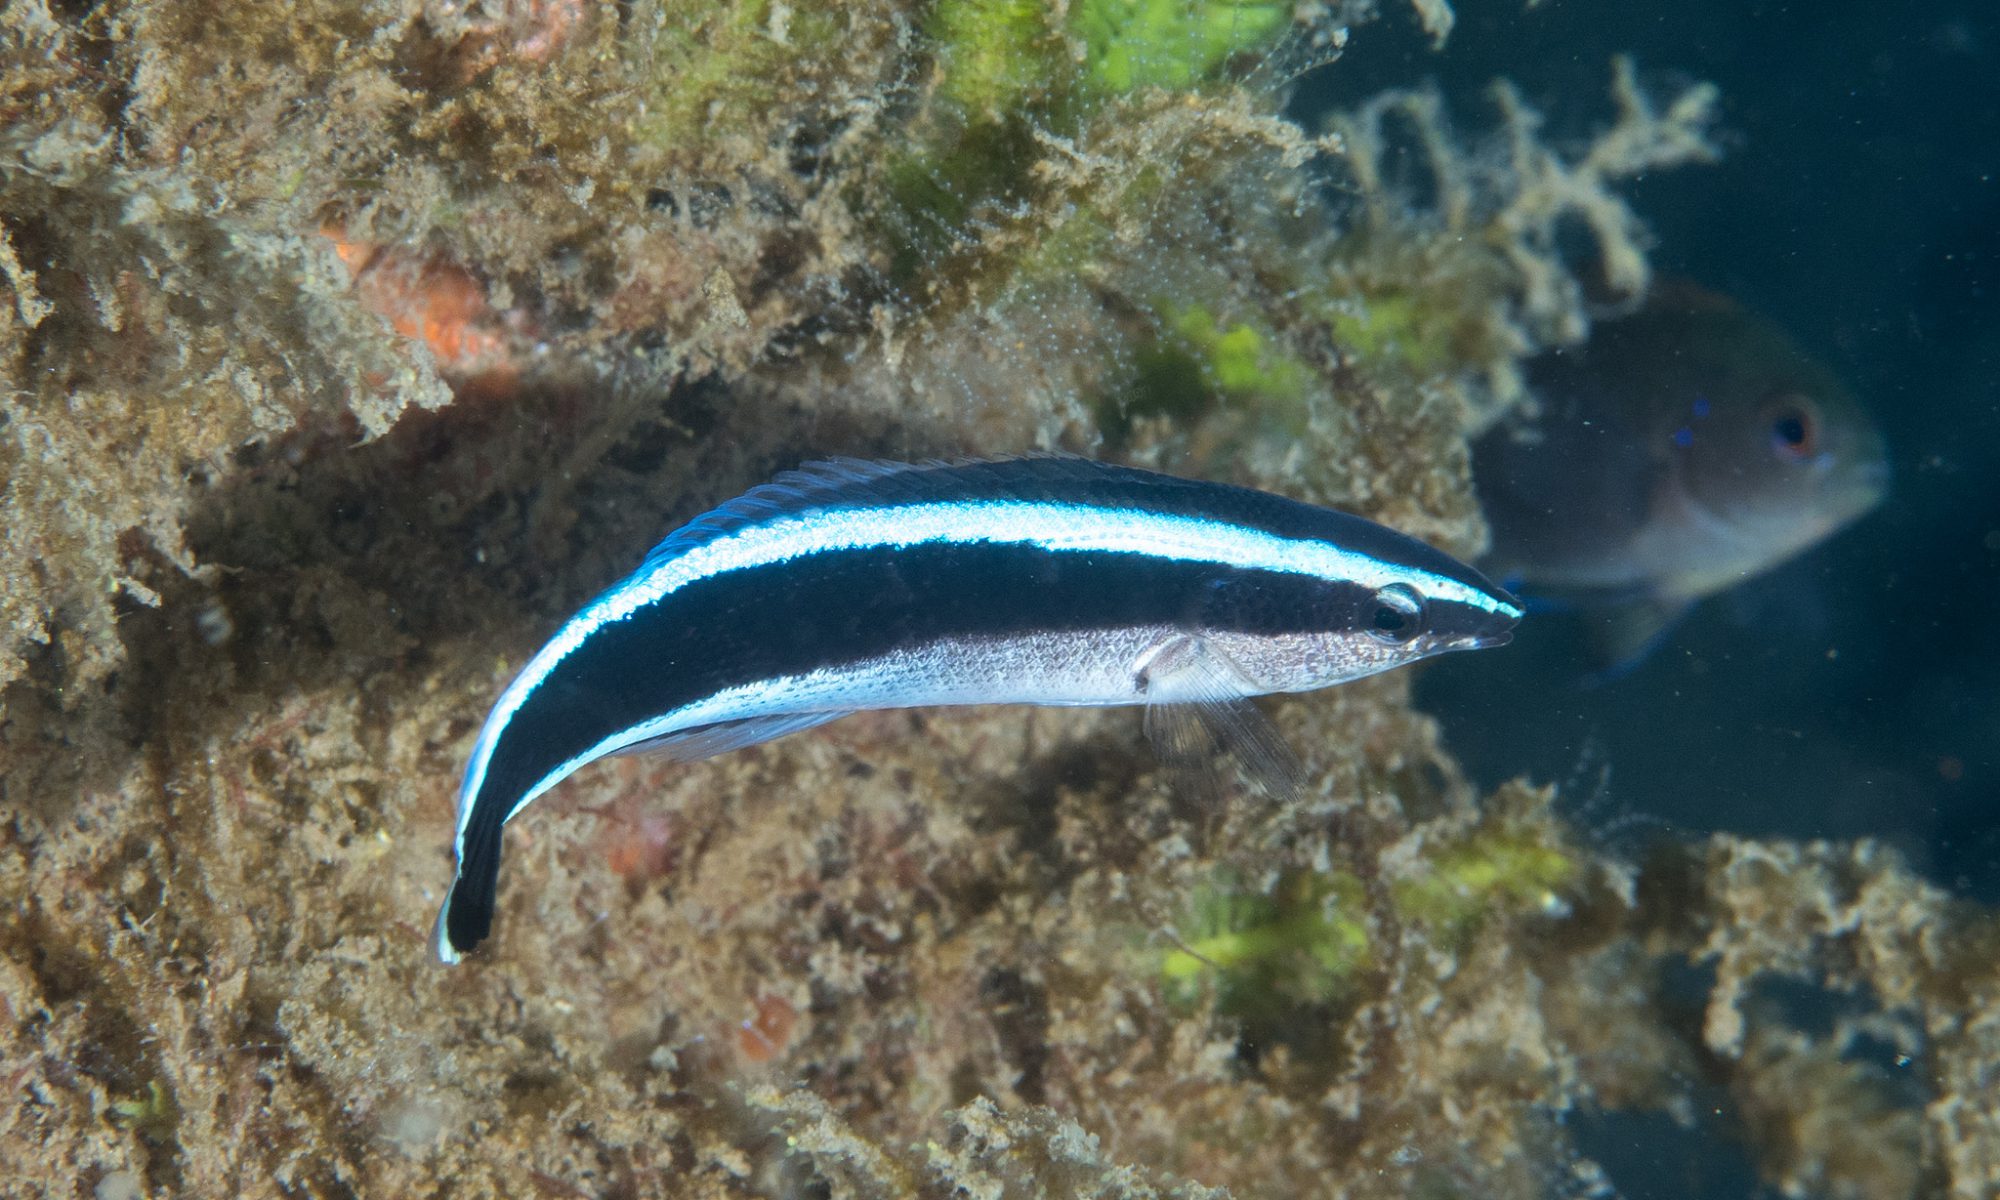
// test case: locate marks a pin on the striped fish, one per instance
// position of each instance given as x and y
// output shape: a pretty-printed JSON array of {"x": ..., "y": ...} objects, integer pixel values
[{"x": 850, "y": 585}]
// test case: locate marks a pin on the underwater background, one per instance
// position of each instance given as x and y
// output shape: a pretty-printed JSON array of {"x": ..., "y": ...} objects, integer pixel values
[
  {"x": 349, "y": 349},
  {"x": 1853, "y": 691}
]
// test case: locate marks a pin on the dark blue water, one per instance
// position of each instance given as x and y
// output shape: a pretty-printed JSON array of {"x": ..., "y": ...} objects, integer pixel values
[{"x": 1855, "y": 692}]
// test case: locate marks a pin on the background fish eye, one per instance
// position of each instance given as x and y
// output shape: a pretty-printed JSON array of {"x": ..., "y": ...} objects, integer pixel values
[
  {"x": 1794, "y": 428},
  {"x": 1399, "y": 614}
]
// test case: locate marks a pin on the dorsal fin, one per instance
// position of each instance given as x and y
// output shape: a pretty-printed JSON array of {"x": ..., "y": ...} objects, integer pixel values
[
  {"x": 856, "y": 482},
  {"x": 814, "y": 485}
]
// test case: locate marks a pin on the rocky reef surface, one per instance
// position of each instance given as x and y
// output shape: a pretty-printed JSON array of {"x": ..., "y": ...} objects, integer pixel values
[{"x": 349, "y": 348}]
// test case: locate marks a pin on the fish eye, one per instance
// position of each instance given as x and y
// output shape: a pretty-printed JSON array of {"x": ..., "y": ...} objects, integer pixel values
[
  {"x": 1398, "y": 615},
  {"x": 1794, "y": 429}
]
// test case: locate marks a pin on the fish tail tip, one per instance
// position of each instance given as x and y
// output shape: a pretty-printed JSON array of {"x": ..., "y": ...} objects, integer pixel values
[
  {"x": 457, "y": 931},
  {"x": 466, "y": 916},
  {"x": 447, "y": 953}
]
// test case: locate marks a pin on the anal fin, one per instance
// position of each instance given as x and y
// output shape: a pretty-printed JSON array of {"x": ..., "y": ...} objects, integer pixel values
[{"x": 707, "y": 741}]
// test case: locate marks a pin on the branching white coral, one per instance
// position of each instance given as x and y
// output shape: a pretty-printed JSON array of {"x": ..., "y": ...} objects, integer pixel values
[{"x": 1515, "y": 191}]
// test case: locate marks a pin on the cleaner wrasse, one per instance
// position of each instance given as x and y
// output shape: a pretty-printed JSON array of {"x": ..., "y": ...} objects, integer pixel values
[{"x": 850, "y": 585}]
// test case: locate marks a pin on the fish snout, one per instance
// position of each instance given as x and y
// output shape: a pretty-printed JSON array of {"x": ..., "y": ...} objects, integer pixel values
[
  {"x": 1874, "y": 476},
  {"x": 1479, "y": 627}
]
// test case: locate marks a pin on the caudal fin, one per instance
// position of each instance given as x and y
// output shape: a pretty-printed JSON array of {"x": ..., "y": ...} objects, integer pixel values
[{"x": 467, "y": 915}]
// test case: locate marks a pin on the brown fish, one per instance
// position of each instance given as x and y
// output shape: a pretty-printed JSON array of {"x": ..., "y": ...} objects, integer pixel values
[{"x": 1679, "y": 452}]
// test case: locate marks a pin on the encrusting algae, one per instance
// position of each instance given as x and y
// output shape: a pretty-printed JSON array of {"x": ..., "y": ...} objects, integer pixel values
[{"x": 348, "y": 349}]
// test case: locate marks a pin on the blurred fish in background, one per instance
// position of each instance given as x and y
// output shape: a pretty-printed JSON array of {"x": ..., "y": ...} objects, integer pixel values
[{"x": 1680, "y": 451}]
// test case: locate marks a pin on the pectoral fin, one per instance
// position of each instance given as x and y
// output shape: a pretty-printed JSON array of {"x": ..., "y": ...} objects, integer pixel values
[
  {"x": 1198, "y": 710},
  {"x": 1622, "y": 636}
]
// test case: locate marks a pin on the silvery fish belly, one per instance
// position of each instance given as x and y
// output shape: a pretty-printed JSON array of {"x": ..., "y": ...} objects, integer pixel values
[{"x": 852, "y": 585}]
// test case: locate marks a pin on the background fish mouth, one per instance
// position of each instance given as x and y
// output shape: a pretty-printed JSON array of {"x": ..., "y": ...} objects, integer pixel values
[{"x": 1874, "y": 477}]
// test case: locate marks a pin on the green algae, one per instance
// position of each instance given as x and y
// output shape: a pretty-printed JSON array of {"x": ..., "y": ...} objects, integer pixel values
[
  {"x": 1001, "y": 57},
  {"x": 1017, "y": 79},
  {"x": 1395, "y": 327},
  {"x": 1194, "y": 370},
  {"x": 1305, "y": 939},
  {"x": 1495, "y": 872},
  {"x": 716, "y": 69},
  {"x": 152, "y": 1113},
  {"x": 1131, "y": 44},
  {"x": 1238, "y": 358},
  {"x": 1300, "y": 943},
  {"x": 994, "y": 53}
]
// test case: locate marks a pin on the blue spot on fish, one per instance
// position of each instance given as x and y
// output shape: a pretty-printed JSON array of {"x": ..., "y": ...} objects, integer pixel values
[{"x": 1684, "y": 436}]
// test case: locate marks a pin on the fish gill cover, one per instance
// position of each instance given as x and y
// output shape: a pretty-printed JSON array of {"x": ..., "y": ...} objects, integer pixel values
[{"x": 347, "y": 349}]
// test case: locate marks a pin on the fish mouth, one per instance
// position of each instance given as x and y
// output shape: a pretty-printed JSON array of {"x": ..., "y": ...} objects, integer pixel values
[
  {"x": 1483, "y": 641},
  {"x": 1872, "y": 480}
]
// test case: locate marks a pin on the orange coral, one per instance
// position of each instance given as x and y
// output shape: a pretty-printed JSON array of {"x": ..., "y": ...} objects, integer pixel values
[
  {"x": 648, "y": 848},
  {"x": 763, "y": 1037},
  {"x": 440, "y": 304}
]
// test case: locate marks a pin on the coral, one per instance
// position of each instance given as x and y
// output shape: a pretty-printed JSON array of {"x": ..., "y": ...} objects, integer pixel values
[
  {"x": 155, "y": 331},
  {"x": 1852, "y": 919},
  {"x": 173, "y": 303},
  {"x": 347, "y": 350},
  {"x": 1506, "y": 202},
  {"x": 981, "y": 1152}
]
